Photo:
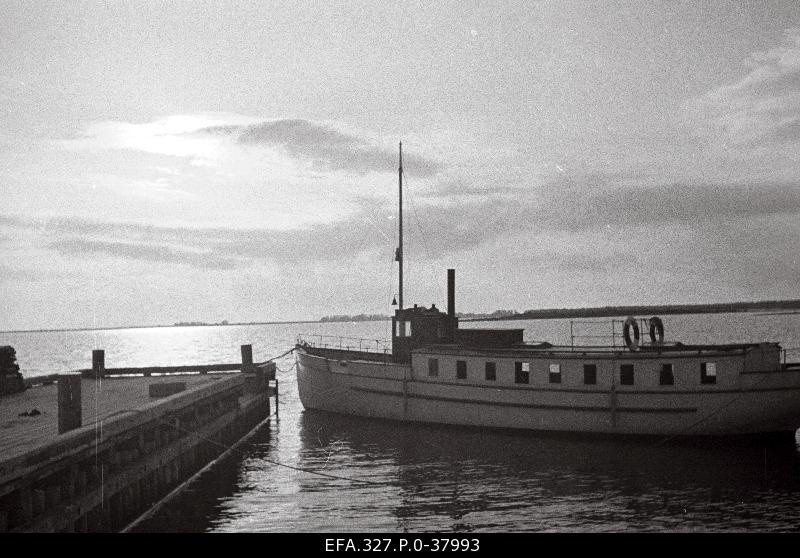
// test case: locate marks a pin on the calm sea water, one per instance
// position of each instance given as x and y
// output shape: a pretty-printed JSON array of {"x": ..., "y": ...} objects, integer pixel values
[{"x": 388, "y": 476}]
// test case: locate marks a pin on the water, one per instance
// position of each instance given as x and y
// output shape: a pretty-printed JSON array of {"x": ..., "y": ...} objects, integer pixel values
[{"x": 396, "y": 477}]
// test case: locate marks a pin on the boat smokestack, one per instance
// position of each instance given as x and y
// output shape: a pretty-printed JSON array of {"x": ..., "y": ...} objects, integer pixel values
[{"x": 451, "y": 293}]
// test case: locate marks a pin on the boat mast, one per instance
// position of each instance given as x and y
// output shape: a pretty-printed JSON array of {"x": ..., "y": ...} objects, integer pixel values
[{"x": 400, "y": 249}]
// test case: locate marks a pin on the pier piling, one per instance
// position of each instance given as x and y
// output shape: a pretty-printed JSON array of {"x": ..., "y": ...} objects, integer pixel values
[
  {"x": 69, "y": 402},
  {"x": 247, "y": 358},
  {"x": 98, "y": 363}
]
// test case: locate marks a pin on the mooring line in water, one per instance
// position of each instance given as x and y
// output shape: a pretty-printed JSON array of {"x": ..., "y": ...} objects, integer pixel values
[
  {"x": 178, "y": 489},
  {"x": 234, "y": 449}
]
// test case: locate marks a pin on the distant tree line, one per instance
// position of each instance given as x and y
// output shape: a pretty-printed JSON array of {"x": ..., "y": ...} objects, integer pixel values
[
  {"x": 608, "y": 311},
  {"x": 496, "y": 315},
  {"x": 183, "y": 324},
  {"x": 598, "y": 312},
  {"x": 356, "y": 318}
]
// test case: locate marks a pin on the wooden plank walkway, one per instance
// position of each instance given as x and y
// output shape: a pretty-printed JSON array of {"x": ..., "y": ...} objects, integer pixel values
[{"x": 100, "y": 400}]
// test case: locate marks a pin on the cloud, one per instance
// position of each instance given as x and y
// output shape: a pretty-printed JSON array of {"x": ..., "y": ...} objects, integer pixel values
[
  {"x": 9, "y": 274},
  {"x": 590, "y": 263},
  {"x": 458, "y": 189},
  {"x": 761, "y": 108},
  {"x": 10, "y": 88},
  {"x": 145, "y": 252},
  {"x": 443, "y": 227},
  {"x": 207, "y": 248},
  {"x": 167, "y": 136},
  {"x": 323, "y": 146},
  {"x": 206, "y": 138},
  {"x": 670, "y": 204},
  {"x": 582, "y": 206},
  {"x": 788, "y": 131}
]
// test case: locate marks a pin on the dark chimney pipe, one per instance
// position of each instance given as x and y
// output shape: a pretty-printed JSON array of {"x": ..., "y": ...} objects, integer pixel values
[{"x": 451, "y": 293}]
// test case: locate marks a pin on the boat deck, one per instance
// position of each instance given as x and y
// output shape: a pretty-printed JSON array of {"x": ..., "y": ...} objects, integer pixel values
[{"x": 530, "y": 349}]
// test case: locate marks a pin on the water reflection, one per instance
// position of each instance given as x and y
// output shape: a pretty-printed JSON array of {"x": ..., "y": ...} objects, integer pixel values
[
  {"x": 427, "y": 477},
  {"x": 390, "y": 476},
  {"x": 205, "y": 503},
  {"x": 455, "y": 478}
]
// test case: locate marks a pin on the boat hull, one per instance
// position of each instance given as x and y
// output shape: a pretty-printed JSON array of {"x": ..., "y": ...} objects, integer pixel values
[{"x": 391, "y": 391}]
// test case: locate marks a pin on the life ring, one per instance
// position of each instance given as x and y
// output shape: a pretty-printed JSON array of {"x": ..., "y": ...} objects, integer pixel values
[
  {"x": 632, "y": 343},
  {"x": 656, "y": 330}
]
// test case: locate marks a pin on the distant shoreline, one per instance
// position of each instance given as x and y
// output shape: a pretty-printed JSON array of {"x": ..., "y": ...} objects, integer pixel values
[
  {"x": 53, "y": 330},
  {"x": 769, "y": 308},
  {"x": 788, "y": 307}
]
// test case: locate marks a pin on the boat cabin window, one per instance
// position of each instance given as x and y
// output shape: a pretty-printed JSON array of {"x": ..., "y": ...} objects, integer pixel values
[
  {"x": 491, "y": 371},
  {"x": 555, "y": 373},
  {"x": 521, "y": 376},
  {"x": 403, "y": 328},
  {"x": 626, "y": 374},
  {"x": 461, "y": 369},
  {"x": 708, "y": 373},
  {"x": 433, "y": 367},
  {"x": 666, "y": 378},
  {"x": 589, "y": 374}
]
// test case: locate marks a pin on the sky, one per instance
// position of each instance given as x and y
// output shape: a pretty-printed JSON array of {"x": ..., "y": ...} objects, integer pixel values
[{"x": 206, "y": 161}]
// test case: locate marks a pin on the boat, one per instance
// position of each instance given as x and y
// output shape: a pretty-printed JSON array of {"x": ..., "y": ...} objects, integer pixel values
[{"x": 438, "y": 372}]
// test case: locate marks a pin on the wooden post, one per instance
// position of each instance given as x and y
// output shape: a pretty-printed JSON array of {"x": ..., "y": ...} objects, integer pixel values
[
  {"x": 250, "y": 376},
  {"x": 247, "y": 358},
  {"x": 69, "y": 402},
  {"x": 277, "y": 412},
  {"x": 98, "y": 363}
]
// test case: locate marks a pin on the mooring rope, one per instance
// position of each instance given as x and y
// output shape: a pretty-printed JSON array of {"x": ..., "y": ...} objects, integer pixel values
[
  {"x": 276, "y": 358},
  {"x": 282, "y": 371},
  {"x": 233, "y": 448}
]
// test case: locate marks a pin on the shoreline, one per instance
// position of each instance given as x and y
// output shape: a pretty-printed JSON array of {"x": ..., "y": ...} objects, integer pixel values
[{"x": 767, "y": 308}]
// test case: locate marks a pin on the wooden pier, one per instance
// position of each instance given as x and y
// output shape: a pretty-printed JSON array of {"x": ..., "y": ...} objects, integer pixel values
[{"x": 94, "y": 450}]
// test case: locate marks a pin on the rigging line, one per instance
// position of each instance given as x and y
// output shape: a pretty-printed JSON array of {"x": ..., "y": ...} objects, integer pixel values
[
  {"x": 418, "y": 220},
  {"x": 390, "y": 294},
  {"x": 171, "y": 424},
  {"x": 374, "y": 224},
  {"x": 365, "y": 212}
]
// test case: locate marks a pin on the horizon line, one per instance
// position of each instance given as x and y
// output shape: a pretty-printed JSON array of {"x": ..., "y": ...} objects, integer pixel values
[{"x": 483, "y": 315}]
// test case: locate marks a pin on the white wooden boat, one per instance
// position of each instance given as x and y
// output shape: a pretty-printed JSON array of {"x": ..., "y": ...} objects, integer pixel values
[{"x": 440, "y": 373}]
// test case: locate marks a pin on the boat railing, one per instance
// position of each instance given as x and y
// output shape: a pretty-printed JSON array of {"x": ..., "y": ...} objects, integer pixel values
[
  {"x": 592, "y": 333},
  {"x": 341, "y": 342},
  {"x": 602, "y": 333},
  {"x": 791, "y": 355}
]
